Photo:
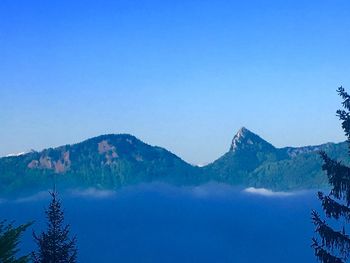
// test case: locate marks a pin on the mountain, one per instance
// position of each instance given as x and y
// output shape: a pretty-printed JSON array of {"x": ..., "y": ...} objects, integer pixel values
[
  {"x": 115, "y": 160},
  {"x": 247, "y": 152},
  {"x": 107, "y": 161},
  {"x": 252, "y": 161}
]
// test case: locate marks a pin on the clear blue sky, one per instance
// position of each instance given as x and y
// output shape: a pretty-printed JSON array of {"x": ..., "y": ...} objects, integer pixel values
[{"x": 185, "y": 75}]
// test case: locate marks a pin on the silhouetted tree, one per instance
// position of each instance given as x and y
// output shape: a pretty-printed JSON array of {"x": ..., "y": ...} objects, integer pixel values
[
  {"x": 55, "y": 245},
  {"x": 333, "y": 243},
  {"x": 9, "y": 241}
]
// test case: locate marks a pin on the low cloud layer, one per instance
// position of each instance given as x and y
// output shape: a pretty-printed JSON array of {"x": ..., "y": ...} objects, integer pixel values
[
  {"x": 267, "y": 192},
  {"x": 213, "y": 190},
  {"x": 210, "y": 190},
  {"x": 94, "y": 193},
  {"x": 36, "y": 197}
]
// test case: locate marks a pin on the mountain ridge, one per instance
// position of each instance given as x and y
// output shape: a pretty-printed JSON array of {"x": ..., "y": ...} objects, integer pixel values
[
  {"x": 114, "y": 160},
  {"x": 308, "y": 147}
]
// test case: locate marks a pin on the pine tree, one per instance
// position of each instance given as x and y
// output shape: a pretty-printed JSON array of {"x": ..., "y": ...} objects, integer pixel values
[
  {"x": 55, "y": 245},
  {"x": 333, "y": 243},
  {"x": 9, "y": 241}
]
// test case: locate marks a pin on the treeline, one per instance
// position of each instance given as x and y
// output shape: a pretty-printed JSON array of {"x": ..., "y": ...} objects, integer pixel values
[{"x": 53, "y": 245}]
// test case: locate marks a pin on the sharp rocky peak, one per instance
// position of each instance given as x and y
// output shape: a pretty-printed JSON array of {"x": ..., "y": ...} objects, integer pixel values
[
  {"x": 245, "y": 138},
  {"x": 243, "y": 131}
]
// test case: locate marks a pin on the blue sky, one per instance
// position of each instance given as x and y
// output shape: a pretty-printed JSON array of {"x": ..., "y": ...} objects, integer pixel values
[{"x": 185, "y": 75}]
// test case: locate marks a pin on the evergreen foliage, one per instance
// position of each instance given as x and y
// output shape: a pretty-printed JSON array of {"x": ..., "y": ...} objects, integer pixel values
[
  {"x": 9, "y": 241},
  {"x": 333, "y": 243},
  {"x": 55, "y": 245}
]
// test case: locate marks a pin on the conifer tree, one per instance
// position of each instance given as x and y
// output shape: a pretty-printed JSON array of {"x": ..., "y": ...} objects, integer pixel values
[
  {"x": 333, "y": 243},
  {"x": 55, "y": 245},
  {"x": 9, "y": 241}
]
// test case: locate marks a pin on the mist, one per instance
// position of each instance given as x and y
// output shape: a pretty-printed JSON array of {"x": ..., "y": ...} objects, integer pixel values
[{"x": 162, "y": 223}]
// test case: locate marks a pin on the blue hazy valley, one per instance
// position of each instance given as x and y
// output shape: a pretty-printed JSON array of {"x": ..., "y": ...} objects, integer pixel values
[{"x": 164, "y": 223}]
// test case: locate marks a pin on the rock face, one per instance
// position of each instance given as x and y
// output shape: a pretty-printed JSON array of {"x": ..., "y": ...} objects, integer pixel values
[
  {"x": 114, "y": 160},
  {"x": 60, "y": 165},
  {"x": 247, "y": 140},
  {"x": 108, "y": 150}
]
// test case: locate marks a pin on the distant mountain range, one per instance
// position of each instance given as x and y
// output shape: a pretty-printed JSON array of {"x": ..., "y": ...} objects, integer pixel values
[{"x": 115, "y": 160}]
